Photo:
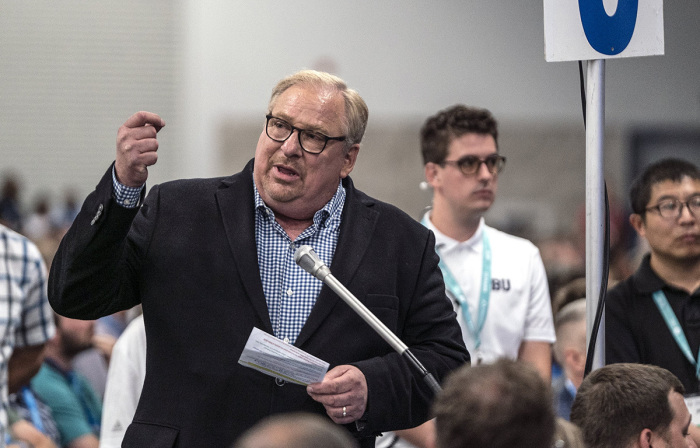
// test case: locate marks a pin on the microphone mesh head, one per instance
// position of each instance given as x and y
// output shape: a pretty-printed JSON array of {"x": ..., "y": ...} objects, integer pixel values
[{"x": 307, "y": 259}]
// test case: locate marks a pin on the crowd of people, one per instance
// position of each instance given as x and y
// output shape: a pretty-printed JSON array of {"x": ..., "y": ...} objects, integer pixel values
[{"x": 195, "y": 265}]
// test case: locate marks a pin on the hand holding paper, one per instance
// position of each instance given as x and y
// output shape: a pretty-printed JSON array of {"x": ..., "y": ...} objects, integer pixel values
[
  {"x": 343, "y": 392},
  {"x": 271, "y": 356}
]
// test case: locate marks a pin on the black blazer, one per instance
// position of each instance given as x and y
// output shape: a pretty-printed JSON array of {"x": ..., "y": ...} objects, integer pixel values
[{"x": 189, "y": 256}]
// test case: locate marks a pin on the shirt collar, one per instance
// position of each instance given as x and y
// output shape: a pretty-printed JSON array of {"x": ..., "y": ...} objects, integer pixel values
[
  {"x": 569, "y": 385},
  {"x": 645, "y": 279},
  {"x": 333, "y": 208},
  {"x": 445, "y": 243},
  {"x": 54, "y": 365}
]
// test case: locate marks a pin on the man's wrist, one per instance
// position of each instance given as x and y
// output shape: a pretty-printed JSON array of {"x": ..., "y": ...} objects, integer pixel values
[{"x": 128, "y": 197}]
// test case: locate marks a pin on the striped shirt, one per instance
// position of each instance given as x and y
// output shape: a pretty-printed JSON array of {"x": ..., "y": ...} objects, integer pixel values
[{"x": 26, "y": 318}]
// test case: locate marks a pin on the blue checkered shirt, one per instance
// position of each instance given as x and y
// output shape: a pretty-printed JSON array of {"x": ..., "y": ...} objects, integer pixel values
[
  {"x": 26, "y": 318},
  {"x": 289, "y": 290},
  {"x": 125, "y": 196}
]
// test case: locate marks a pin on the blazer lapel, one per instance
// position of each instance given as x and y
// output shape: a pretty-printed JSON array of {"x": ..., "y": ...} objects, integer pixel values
[
  {"x": 358, "y": 221},
  {"x": 236, "y": 203}
]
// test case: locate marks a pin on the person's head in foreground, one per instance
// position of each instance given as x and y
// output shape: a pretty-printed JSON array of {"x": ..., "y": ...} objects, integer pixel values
[
  {"x": 296, "y": 430},
  {"x": 506, "y": 404},
  {"x": 632, "y": 405}
]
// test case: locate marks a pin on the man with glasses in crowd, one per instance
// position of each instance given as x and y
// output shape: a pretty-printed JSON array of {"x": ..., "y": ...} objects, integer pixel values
[
  {"x": 653, "y": 317},
  {"x": 497, "y": 282},
  {"x": 210, "y": 259}
]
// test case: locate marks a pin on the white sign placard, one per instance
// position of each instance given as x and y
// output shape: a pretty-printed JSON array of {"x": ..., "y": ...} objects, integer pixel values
[{"x": 602, "y": 29}]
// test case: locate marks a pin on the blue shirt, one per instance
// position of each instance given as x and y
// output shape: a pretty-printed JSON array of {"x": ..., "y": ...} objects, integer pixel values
[{"x": 289, "y": 290}]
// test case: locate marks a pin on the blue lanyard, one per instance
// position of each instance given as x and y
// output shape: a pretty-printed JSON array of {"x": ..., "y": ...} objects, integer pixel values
[
  {"x": 675, "y": 327},
  {"x": 33, "y": 408},
  {"x": 453, "y": 287}
]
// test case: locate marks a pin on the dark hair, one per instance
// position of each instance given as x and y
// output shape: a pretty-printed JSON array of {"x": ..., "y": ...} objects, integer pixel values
[
  {"x": 440, "y": 129},
  {"x": 667, "y": 169},
  {"x": 616, "y": 402},
  {"x": 502, "y": 405}
]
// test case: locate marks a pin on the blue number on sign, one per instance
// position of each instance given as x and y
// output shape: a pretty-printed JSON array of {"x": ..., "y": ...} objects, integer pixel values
[{"x": 606, "y": 34}]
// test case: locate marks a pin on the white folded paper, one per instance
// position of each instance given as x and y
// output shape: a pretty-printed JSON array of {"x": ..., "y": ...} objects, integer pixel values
[{"x": 271, "y": 356}]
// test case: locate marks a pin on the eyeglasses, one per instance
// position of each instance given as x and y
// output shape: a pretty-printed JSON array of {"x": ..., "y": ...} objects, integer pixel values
[
  {"x": 673, "y": 208},
  {"x": 312, "y": 142},
  {"x": 471, "y": 164}
]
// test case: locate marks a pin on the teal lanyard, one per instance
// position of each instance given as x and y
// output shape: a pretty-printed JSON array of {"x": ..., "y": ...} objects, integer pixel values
[
  {"x": 675, "y": 327},
  {"x": 453, "y": 287}
]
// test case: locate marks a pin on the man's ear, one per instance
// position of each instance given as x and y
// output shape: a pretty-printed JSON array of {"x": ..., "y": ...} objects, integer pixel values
[
  {"x": 645, "y": 438},
  {"x": 350, "y": 159},
  {"x": 431, "y": 173},
  {"x": 575, "y": 358},
  {"x": 637, "y": 222}
]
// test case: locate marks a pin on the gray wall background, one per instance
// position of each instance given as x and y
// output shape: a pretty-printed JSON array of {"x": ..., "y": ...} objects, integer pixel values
[{"x": 72, "y": 72}]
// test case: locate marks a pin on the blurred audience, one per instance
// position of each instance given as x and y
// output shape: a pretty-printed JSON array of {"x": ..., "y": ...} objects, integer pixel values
[
  {"x": 632, "y": 405},
  {"x": 63, "y": 213},
  {"x": 563, "y": 261},
  {"x": 23, "y": 434},
  {"x": 570, "y": 353},
  {"x": 26, "y": 405},
  {"x": 569, "y": 292},
  {"x": 37, "y": 225},
  {"x": 76, "y": 407},
  {"x": 10, "y": 210}
]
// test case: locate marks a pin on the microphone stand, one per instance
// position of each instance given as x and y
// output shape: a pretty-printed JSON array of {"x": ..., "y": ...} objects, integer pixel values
[{"x": 308, "y": 260}]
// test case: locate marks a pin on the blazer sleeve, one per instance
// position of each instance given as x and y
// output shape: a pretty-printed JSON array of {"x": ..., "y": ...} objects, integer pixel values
[{"x": 93, "y": 271}]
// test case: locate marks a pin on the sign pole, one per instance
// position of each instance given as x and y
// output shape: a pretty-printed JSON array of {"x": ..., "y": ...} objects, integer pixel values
[
  {"x": 595, "y": 30},
  {"x": 595, "y": 200}
]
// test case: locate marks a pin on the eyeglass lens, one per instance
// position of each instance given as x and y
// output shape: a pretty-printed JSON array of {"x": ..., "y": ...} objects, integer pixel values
[
  {"x": 279, "y": 130},
  {"x": 471, "y": 164},
  {"x": 673, "y": 208}
]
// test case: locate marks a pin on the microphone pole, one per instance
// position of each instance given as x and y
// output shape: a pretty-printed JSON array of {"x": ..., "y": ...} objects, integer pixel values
[{"x": 307, "y": 259}]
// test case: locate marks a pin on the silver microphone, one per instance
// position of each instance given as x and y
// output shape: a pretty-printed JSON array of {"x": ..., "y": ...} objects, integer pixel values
[
  {"x": 311, "y": 263},
  {"x": 307, "y": 259}
]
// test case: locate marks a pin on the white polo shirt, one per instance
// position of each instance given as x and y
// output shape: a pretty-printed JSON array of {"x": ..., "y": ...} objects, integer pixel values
[{"x": 519, "y": 304}]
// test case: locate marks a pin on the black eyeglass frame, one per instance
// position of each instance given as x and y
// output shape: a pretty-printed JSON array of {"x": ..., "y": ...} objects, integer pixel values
[
  {"x": 682, "y": 204},
  {"x": 299, "y": 132},
  {"x": 499, "y": 163}
]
